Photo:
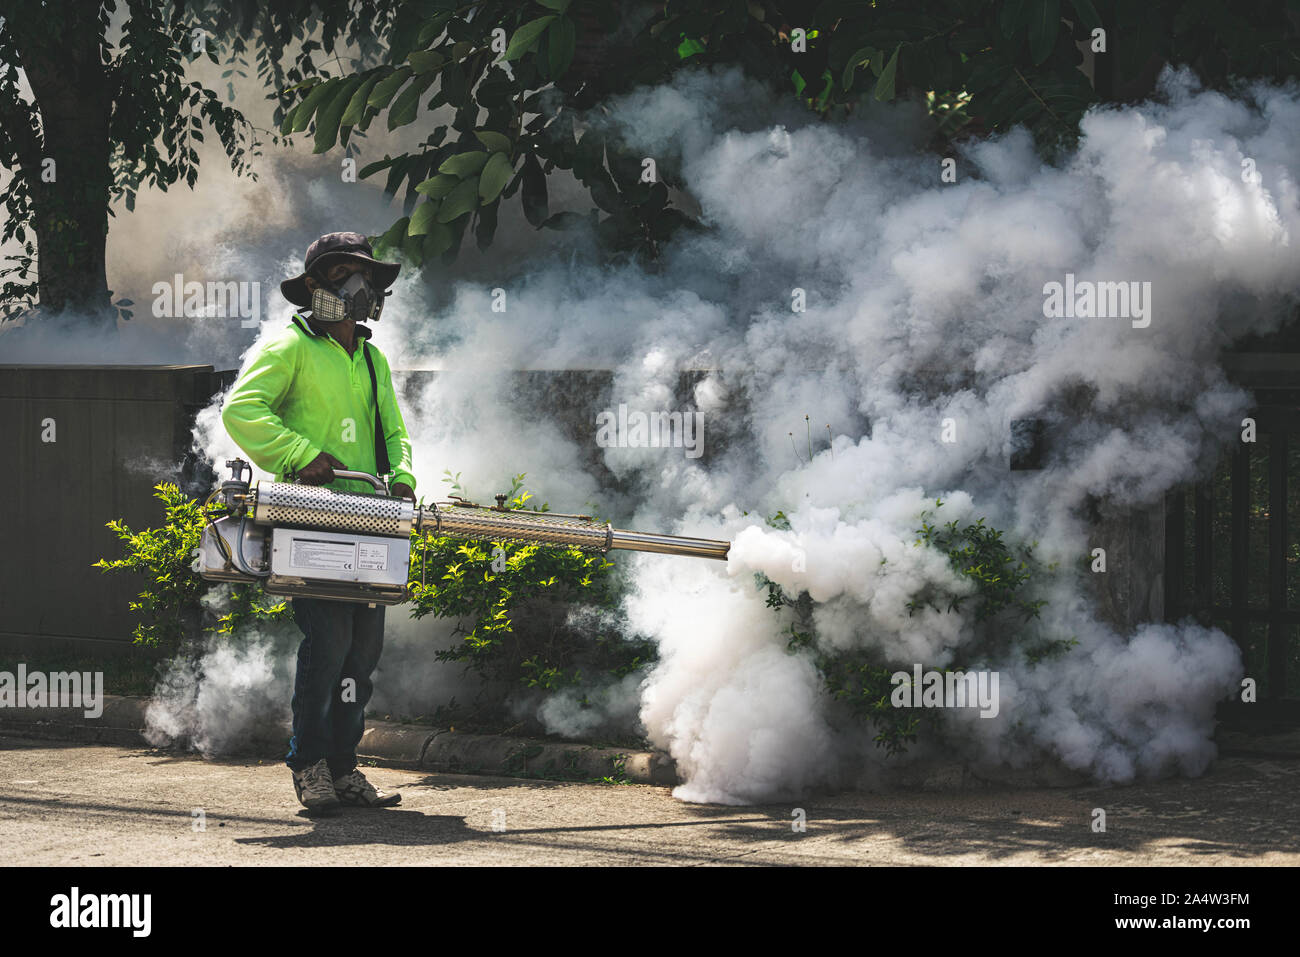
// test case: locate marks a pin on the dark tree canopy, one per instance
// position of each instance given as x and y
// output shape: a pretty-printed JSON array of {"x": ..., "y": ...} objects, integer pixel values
[
  {"x": 513, "y": 85},
  {"x": 106, "y": 118}
]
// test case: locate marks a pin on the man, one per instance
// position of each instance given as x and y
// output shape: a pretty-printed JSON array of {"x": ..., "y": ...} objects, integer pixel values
[{"x": 304, "y": 406}]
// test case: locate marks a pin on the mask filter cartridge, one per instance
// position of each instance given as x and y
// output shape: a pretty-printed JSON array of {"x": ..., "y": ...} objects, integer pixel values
[{"x": 355, "y": 299}]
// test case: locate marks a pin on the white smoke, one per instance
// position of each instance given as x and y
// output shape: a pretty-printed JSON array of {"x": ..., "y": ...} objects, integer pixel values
[
  {"x": 230, "y": 696},
  {"x": 924, "y": 303},
  {"x": 233, "y": 695},
  {"x": 609, "y": 706}
]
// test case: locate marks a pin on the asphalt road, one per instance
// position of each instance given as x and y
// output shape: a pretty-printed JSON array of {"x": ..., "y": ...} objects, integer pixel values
[{"x": 64, "y": 803}]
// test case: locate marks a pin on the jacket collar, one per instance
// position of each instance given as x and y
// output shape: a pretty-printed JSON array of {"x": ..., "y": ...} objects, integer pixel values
[{"x": 362, "y": 332}]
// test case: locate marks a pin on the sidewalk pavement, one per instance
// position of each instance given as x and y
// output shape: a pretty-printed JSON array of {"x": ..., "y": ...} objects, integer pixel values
[{"x": 67, "y": 803}]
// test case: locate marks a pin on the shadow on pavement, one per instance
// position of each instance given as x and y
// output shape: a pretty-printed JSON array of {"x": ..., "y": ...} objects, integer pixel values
[{"x": 371, "y": 826}]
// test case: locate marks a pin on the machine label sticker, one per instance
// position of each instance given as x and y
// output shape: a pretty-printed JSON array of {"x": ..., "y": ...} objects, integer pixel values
[
  {"x": 314, "y": 553},
  {"x": 372, "y": 556}
]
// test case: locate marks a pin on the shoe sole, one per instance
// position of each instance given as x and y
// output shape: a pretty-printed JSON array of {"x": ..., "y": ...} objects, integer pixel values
[
  {"x": 389, "y": 801},
  {"x": 323, "y": 808}
]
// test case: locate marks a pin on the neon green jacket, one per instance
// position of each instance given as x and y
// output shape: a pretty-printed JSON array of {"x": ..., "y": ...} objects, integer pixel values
[{"x": 302, "y": 394}]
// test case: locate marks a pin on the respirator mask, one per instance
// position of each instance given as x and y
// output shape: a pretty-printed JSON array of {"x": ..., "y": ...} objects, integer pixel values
[{"x": 353, "y": 299}]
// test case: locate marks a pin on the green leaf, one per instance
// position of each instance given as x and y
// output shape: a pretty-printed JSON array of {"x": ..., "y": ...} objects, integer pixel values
[
  {"x": 496, "y": 173},
  {"x": 565, "y": 220},
  {"x": 885, "y": 85},
  {"x": 454, "y": 86},
  {"x": 438, "y": 240},
  {"x": 297, "y": 119},
  {"x": 405, "y": 29},
  {"x": 563, "y": 36},
  {"x": 605, "y": 196},
  {"x": 426, "y": 61},
  {"x": 486, "y": 226},
  {"x": 851, "y": 66},
  {"x": 433, "y": 28},
  {"x": 439, "y": 186},
  {"x": 376, "y": 166},
  {"x": 397, "y": 172},
  {"x": 559, "y": 6},
  {"x": 526, "y": 36},
  {"x": 464, "y": 164},
  {"x": 327, "y": 123},
  {"x": 385, "y": 88},
  {"x": 422, "y": 218},
  {"x": 495, "y": 91},
  {"x": 494, "y": 141},
  {"x": 411, "y": 250},
  {"x": 459, "y": 201},
  {"x": 534, "y": 191},
  {"x": 1043, "y": 27},
  {"x": 357, "y": 105},
  {"x": 688, "y": 48},
  {"x": 405, "y": 106},
  {"x": 589, "y": 154}
]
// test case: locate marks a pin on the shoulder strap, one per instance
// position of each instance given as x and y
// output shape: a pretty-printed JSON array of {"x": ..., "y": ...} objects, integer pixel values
[{"x": 381, "y": 446}]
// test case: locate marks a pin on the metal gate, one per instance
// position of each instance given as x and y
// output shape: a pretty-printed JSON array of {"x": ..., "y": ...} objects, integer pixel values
[{"x": 1232, "y": 546}]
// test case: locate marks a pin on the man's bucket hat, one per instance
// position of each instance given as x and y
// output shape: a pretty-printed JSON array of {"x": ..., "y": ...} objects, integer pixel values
[{"x": 333, "y": 247}]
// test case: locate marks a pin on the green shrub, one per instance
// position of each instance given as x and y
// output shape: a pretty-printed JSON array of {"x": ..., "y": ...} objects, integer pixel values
[
  {"x": 1002, "y": 609},
  {"x": 170, "y": 607},
  {"x": 512, "y": 603}
]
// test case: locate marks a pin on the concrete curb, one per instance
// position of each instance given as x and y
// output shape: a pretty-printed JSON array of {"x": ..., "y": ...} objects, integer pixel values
[
  {"x": 397, "y": 744},
  {"x": 400, "y": 745},
  {"x": 526, "y": 757},
  {"x": 122, "y": 722},
  {"x": 1278, "y": 744}
]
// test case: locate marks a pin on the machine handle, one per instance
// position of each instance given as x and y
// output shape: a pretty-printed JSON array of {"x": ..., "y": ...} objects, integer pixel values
[{"x": 380, "y": 485}]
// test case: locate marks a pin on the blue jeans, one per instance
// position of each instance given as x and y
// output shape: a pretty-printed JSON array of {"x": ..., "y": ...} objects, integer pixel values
[{"x": 339, "y": 651}]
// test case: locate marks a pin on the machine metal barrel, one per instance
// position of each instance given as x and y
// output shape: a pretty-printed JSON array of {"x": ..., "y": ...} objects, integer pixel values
[
  {"x": 670, "y": 544},
  {"x": 486, "y": 524},
  {"x": 489, "y": 525},
  {"x": 309, "y": 506}
]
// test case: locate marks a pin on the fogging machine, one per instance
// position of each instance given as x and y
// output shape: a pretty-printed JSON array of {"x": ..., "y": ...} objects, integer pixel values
[{"x": 315, "y": 542}]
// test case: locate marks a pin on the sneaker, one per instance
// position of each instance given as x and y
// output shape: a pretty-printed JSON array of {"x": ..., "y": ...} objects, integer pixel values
[
  {"x": 315, "y": 787},
  {"x": 355, "y": 791}
]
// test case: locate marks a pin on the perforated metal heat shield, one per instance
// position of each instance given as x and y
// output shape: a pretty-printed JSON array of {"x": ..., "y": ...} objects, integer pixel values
[{"x": 312, "y": 506}]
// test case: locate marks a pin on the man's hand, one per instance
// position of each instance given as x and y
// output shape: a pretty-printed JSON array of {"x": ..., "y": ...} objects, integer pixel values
[
  {"x": 402, "y": 490},
  {"x": 320, "y": 470}
]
